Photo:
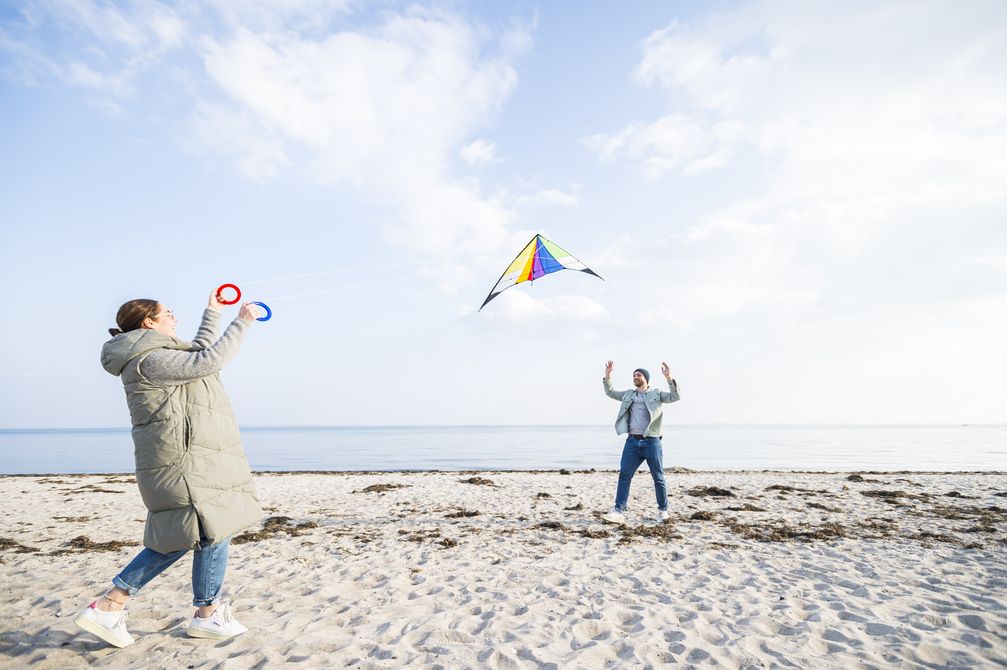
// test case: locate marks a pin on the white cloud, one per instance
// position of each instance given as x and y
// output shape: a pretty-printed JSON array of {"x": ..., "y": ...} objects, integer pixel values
[
  {"x": 259, "y": 155},
  {"x": 102, "y": 46},
  {"x": 548, "y": 196},
  {"x": 25, "y": 63},
  {"x": 675, "y": 143},
  {"x": 384, "y": 104},
  {"x": 268, "y": 15},
  {"x": 479, "y": 152},
  {"x": 387, "y": 104},
  {"x": 82, "y": 75},
  {"x": 518, "y": 306},
  {"x": 848, "y": 96},
  {"x": 385, "y": 109},
  {"x": 861, "y": 137}
]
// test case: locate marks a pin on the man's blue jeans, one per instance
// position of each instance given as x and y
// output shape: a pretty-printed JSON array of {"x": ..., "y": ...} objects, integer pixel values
[
  {"x": 209, "y": 563},
  {"x": 633, "y": 454}
]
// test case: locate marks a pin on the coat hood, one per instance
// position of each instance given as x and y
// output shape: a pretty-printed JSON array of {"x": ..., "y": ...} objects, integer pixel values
[{"x": 124, "y": 347}]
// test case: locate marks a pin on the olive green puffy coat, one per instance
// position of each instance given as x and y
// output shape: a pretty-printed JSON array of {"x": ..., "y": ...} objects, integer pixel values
[{"x": 190, "y": 466}]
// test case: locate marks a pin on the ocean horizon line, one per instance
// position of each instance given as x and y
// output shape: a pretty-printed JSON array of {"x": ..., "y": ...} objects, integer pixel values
[
  {"x": 700, "y": 424},
  {"x": 671, "y": 470}
]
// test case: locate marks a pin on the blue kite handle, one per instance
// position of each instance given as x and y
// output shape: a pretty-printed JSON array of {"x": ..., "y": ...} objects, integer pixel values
[{"x": 269, "y": 312}]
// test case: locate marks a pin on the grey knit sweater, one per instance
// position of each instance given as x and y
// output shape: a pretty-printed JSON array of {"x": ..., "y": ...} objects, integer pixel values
[{"x": 171, "y": 367}]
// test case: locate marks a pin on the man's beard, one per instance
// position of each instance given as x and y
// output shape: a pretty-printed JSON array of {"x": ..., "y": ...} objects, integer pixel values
[{"x": 639, "y": 383}]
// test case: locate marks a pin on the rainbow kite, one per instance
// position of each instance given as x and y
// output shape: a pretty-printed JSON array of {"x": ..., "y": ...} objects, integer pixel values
[{"x": 539, "y": 258}]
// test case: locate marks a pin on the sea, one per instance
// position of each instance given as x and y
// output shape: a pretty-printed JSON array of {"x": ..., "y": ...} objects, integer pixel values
[{"x": 933, "y": 448}]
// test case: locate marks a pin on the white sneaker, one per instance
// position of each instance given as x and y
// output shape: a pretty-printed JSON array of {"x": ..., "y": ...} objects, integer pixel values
[
  {"x": 615, "y": 516},
  {"x": 221, "y": 625},
  {"x": 109, "y": 626},
  {"x": 662, "y": 515}
]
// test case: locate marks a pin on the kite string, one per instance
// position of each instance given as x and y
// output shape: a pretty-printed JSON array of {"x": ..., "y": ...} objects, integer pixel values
[
  {"x": 330, "y": 272},
  {"x": 344, "y": 288}
]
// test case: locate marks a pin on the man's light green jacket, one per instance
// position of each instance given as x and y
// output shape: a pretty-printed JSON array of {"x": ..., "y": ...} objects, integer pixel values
[
  {"x": 190, "y": 466},
  {"x": 655, "y": 399}
]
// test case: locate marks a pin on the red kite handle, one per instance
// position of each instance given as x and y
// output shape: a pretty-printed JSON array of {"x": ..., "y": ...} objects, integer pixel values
[{"x": 220, "y": 289}]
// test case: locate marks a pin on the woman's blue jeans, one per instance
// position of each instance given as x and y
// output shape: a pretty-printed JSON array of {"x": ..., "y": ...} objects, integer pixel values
[
  {"x": 633, "y": 454},
  {"x": 209, "y": 563}
]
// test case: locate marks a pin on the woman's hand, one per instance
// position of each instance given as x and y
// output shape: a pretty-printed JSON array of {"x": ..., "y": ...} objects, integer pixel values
[
  {"x": 249, "y": 312},
  {"x": 214, "y": 302}
]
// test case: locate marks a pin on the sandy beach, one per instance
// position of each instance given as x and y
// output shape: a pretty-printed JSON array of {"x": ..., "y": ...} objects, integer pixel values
[{"x": 516, "y": 570}]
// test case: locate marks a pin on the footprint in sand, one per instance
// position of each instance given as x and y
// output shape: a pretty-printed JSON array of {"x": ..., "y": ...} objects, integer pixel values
[
  {"x": 453, "y": 636},
  {"x": 526, "y": 654},
  {"x": 485, "y": 619},
  {"x": 833, "y": 635},
  {"x": 629, "y": 621},
  {"x": 762, "y": 625},
  {"x": 697, "y": 656},
  {"x": 975, "y": 641},
  {"x": 933, "y": 655},
  {"x": 879, "y": 629},
  {"x": 498, "y": 659},
  {"x": 686, "y": 617},
  {"x": 712, "y": 636},
  {"x": 590, "y": 630},
  {"x": 673, "y": 636},
  {"x": 973, "y": 621}
]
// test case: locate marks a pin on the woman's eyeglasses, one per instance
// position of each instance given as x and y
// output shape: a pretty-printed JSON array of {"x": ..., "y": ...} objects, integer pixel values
[{"x": 166, "y": 313}]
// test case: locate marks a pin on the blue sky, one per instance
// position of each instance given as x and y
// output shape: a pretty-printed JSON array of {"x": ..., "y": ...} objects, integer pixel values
[{"x": 800, "y": 208}]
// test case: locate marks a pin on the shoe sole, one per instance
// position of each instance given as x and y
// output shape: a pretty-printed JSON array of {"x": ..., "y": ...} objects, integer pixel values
[
  {"x": 92, "y": 627},
  {"x": 614, "y": 522},
  {"x": 210, "y": 635}
]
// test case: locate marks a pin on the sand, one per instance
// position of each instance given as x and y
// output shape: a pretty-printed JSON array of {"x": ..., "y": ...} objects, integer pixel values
[{"x": 516, "y": 570}]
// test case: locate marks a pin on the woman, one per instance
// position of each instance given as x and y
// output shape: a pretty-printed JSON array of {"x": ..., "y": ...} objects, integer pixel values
[{"x": 190, "y": 467}]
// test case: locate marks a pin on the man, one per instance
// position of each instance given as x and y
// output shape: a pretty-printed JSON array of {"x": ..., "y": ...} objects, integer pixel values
[{"x": 640, "y": 416}]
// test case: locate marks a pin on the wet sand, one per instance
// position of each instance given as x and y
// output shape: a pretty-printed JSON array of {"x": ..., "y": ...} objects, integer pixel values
[{"x": 515, "y": 570}]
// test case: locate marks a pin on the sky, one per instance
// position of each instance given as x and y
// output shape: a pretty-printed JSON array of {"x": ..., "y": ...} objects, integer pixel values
[{"x": 801, "y": 207}]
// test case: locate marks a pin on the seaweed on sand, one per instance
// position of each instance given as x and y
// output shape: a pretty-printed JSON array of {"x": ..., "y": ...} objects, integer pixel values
[
  {"x": 478, "y": 481},
  {"x": 381, "y": 488},
  {"x": 89, "y": 488},
  {"x": 462, "y": 514},
  {"x": 83, "y": 544},
  {"x": 780, "y": 531},
  {"x": 747, "y": 507},
  {"x": 709, "y": 491},
  {"x": 7, "y": 544},
  {"x": 551, "y": 525},
  {"x": 890, "y": 497},
  {"x": 593, "y": 534},
  {"x": 661, "y": 531},
  {"x": 824, "y": 507},
  {"x": 273, "y": 526}
]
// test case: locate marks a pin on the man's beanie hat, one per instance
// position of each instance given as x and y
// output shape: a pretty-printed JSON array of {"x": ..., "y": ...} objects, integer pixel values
[{"x": 646, "y": 375}]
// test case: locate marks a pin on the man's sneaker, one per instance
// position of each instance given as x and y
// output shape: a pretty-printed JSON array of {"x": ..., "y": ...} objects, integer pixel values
[
  {"x": 221, "y": 625},
  {"x": 109, "y": 626},
  {"x": 615, "y": 516},
  {"x": 662, "y": 515}
]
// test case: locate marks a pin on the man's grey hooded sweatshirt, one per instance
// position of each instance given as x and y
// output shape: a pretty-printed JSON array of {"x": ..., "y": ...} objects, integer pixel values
[{"x": 190, "y": 466}]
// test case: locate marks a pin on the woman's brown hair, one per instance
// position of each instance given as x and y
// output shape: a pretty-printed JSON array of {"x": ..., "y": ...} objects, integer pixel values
[{"x": 131, "y": 315}]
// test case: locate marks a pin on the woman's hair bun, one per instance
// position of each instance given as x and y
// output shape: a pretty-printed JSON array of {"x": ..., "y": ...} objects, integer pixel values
[{"x": 132, "y": 314}]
